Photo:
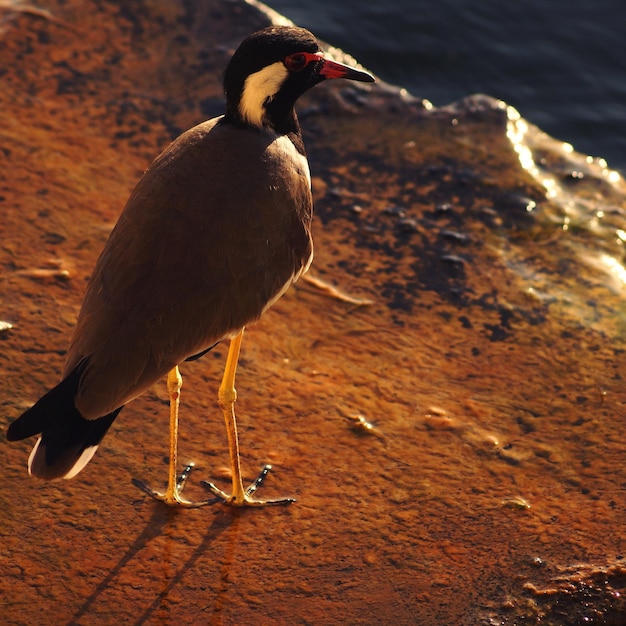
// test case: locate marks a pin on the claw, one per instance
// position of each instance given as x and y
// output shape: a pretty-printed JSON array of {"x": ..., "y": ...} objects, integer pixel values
[
  {"x": 244, "y": 499},
  {"x": 174, "y": 496}
]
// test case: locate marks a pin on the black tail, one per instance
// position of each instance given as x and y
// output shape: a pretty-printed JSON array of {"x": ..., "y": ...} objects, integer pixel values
[{"x": 68, "y": 440}]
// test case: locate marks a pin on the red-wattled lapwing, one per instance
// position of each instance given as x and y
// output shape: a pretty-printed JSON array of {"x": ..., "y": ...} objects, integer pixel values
[{"x": 214, "y": 233}]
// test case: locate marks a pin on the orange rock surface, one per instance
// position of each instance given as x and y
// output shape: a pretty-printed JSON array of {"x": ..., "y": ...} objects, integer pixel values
[{"x": 456, "y": 447}]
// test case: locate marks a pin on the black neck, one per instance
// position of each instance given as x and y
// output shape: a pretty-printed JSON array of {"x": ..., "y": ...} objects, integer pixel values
[{"x": 277, "y": 120}]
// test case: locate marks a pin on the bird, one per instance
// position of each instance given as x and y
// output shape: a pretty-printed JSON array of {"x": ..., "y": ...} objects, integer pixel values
[{"x": 213, "y": 234}]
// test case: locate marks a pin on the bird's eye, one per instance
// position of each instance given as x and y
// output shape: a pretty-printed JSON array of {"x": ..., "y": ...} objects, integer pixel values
[{"x": 297, "y": 62}]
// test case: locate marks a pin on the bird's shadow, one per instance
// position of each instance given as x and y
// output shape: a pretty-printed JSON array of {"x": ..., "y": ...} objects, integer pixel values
[{"x": 160, "y": 518}]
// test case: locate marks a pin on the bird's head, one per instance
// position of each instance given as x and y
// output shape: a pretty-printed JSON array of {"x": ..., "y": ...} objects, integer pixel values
[{"x": 271, "y": 69}]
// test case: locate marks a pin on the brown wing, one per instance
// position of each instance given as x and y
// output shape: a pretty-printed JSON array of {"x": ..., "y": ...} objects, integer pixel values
[{"x": 213, "y": 231}]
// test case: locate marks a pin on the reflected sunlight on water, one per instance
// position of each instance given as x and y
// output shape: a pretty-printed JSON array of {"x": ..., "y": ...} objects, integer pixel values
[{"x": 579, "y": 190}]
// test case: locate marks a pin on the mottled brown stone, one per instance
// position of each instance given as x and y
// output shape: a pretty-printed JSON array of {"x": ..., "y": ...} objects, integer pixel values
[{"x": 456, "y": 448}]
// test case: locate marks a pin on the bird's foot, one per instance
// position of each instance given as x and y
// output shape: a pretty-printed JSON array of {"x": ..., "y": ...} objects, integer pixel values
[
  {"x": 242, "y": 497},
  {"x": 173, "y": 496}
]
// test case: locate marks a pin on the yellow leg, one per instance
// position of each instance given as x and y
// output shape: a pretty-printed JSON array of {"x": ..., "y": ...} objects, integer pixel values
[
  {"x": 227, "y": 396},
  {"x": 175, "y": 484}
]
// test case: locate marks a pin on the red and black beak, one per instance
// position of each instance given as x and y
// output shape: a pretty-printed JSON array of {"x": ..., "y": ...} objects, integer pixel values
[{"x": 333, "y": 69}]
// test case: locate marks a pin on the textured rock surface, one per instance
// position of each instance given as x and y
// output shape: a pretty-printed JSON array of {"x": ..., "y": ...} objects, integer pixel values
[{"x": 491, "y": 488}]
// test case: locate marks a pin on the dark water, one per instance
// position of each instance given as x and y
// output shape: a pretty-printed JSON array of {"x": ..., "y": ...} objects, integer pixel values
[{"x": 561, "y": 64}]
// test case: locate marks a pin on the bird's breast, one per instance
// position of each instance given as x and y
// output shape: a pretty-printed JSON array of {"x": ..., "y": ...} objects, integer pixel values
[{"x": 214, "y": 232}]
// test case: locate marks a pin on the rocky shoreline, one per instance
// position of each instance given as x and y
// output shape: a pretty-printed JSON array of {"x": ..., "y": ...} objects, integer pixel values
[{"x": 455, "y": 446}]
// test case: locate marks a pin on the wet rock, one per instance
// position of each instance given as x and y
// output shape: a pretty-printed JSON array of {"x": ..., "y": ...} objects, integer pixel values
[{"x": 489, "y": 309}]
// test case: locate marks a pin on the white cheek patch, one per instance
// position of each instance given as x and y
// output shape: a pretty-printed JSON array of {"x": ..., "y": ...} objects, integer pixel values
[{"x": 258, "y": 88}]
